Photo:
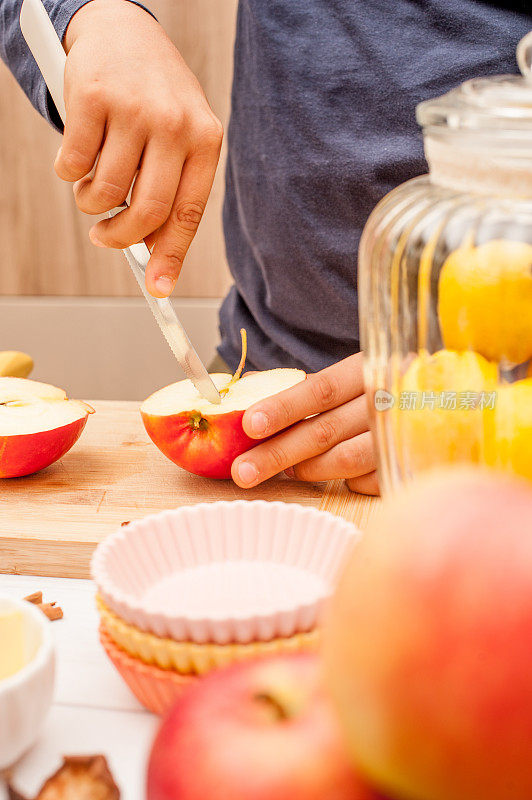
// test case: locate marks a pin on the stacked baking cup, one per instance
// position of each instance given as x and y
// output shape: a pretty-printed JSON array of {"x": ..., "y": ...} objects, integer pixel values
[{"x": 186, "y": 591}]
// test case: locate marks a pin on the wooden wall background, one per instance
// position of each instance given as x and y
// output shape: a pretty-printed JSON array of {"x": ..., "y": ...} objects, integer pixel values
[{"x": 45, "y": 247}]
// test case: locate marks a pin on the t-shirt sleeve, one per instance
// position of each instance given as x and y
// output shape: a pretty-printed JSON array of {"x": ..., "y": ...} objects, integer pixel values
[{"x": 15, "y": 52}]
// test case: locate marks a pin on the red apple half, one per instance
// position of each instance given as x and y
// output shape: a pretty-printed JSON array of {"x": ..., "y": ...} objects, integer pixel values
[
  {"x": 38, "y": 425},
  {"x": 259, "y": 730},
  {"x": 200, "y": 436}
]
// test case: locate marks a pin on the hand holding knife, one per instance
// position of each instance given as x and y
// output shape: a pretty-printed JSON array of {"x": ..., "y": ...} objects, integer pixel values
[{"x": 48, "y": 52}]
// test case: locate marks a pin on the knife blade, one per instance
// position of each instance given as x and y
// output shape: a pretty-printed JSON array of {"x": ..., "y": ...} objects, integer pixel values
[
  {"x": 138, "y": 256},
  {"x": 46, "y": 48}
]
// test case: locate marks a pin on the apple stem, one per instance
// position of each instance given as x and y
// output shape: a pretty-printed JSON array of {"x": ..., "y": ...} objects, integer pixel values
[
  {"x": 240, "y": 367},
  {"x": 279, "y": 712}
]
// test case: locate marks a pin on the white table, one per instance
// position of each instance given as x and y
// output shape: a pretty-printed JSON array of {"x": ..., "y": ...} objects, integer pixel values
[{"x": 93, "y": 710}]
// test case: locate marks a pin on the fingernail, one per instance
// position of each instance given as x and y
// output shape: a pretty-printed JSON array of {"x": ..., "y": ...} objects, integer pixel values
[
  {"x": 57, "y": 156},
  {"x": 259, "y": 423},
  {"x": 164, "y": 285},
  {"x": 247, "y": 473},
  {"x": 290, "y": 472},
  {"x": 93, "y": 236}
]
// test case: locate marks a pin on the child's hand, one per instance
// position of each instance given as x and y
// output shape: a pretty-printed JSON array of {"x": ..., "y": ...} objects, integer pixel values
[
  {"x": 131, "y": 98},
  {"x": 335, "y": 443}
]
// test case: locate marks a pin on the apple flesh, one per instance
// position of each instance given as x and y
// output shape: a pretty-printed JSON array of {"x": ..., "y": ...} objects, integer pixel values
[
  {"x": 428, "y": 641},
  {"x": 38, "y": 425},
  {"x": 259, "y": 730},
  {"x": 202, "y": 437}
]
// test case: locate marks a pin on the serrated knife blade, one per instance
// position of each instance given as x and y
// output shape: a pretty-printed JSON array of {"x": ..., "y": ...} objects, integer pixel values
[
  {"x": 138, "y": 256},
  {"x": 48, "y": 52}
]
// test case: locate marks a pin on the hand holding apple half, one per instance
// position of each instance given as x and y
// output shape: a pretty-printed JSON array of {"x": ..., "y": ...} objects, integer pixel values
[
  {"x": 205, "y": 438},
  {"x": 38, "y": 425}
]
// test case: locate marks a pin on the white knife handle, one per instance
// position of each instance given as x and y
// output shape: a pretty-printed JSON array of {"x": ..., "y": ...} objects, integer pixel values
[{"x": 44, "y": 43}]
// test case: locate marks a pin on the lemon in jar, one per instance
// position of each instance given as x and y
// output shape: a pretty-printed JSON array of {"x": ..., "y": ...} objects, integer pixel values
[
  {"x": 485, "y": 300},
  {"x": 510, "y": 443},
  {"x": 440, "y": 414}
]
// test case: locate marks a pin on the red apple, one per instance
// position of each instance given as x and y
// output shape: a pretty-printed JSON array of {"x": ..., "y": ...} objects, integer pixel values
[
  {"x": 38, "y": 425},
  {"x": 259, "y": 730},
  {"x": 428, "y": 643},
  {"x": 202, "y": 437}
]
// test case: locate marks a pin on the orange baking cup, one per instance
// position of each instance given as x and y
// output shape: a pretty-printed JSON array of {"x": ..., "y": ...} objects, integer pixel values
[
  {"x": 189, "y": 657},
  {"x": 157, "y": 689}
]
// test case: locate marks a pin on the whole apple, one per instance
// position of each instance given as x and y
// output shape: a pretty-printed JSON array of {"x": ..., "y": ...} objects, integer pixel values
[
  {"x": 428, "y": 642},
  {"x": 259, "y": 730}
]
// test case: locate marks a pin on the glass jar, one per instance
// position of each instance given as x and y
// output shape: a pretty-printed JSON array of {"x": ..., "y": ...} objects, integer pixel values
[{"x": 445, "y": 280}]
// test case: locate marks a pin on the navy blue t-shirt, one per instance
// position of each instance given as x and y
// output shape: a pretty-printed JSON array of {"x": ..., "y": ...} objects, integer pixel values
[{"x": 322, "y": 126}]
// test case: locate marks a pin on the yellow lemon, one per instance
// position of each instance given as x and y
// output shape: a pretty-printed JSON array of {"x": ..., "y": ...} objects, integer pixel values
[
  {"x": 511, "y": 442},
  {"x": 439, "y": 415},
  {"x": 15, "y": 364},
  {"x": 485, "y": 300}
]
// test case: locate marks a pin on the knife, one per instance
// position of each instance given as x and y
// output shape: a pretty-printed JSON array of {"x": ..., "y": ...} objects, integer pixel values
[{"x": 48, "y": 52}]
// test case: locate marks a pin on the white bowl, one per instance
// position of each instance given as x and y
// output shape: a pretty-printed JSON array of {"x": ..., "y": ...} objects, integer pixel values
[
  {"x": 26, "y": 696},
  {"x": 224, "y": 572}
]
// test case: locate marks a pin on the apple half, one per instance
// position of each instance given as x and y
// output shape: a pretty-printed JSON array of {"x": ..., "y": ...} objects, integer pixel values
[
  {"x": 205, "y": 438},
  {"x": 38, "y": 425}
]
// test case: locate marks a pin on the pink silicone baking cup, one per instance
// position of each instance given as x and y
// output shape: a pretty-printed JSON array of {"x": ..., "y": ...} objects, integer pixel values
[
  {"x": 224, "y": 572},
  {"x": 157, "y": 689}
]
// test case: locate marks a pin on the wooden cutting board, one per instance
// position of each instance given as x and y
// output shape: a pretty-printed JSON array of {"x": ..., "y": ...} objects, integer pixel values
[{"x": 51, "y": 522}]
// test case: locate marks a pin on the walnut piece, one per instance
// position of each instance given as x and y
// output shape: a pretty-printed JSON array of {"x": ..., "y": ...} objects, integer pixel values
[{"x": 79, "y": 778}]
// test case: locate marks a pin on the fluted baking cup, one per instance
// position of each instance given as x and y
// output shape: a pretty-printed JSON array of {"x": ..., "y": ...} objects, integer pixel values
[
  {"x": 189, "y": 657},
  {"x": 224, "y": 572},
  {"x": 157, "y": 689}
]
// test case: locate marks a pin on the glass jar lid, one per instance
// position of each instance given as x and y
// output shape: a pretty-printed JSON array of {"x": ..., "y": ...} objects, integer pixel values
[
  {"x": 479, "y": 135},
  {"x": 497, "y": 103}
]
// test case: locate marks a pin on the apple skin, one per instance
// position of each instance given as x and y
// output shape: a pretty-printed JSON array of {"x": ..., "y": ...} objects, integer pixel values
[
  {"x": 428, "y": 640},
  {"x": 222, "y": 742},
  {"x": 24, "y": 454},
  {"x": 203, "y": 445}
]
